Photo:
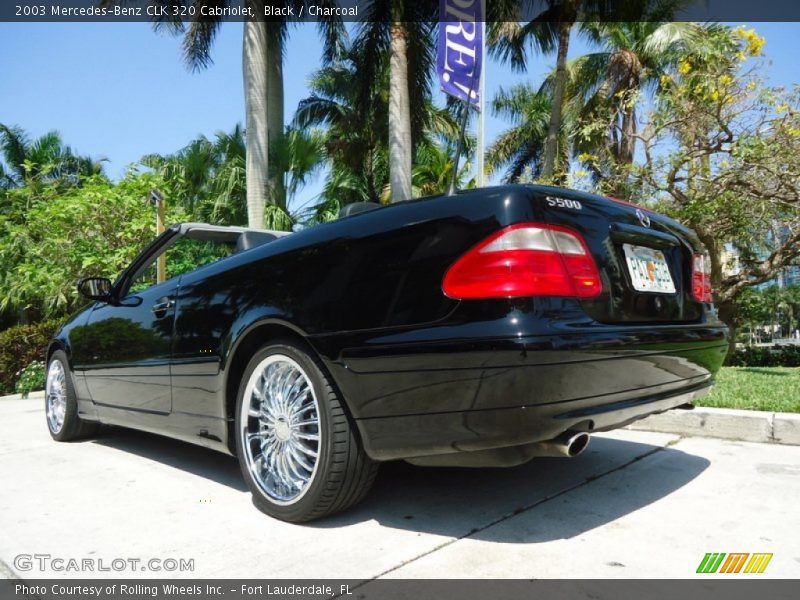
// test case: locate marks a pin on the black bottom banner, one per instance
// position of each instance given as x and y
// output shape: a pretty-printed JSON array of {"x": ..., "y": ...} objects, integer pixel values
[{"x": 395, "y": 589}]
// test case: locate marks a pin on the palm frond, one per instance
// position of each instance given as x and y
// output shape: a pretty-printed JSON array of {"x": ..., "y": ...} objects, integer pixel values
[
  {"x": 199, "y": 38},
  {"x": 14, "y": 144},
  {"x": 520, "y": 148},
  {"x": 315, "y": 110}
]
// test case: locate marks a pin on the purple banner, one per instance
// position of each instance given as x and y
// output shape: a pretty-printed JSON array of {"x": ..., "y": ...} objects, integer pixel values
[{"x": 461, "y": 48}]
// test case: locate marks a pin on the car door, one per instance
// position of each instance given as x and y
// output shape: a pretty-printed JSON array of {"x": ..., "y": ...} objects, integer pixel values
[
  {"x": 128, "y": 363},
  {"x": 125, "y": 350},
  {"x": 125, "y": 346}
]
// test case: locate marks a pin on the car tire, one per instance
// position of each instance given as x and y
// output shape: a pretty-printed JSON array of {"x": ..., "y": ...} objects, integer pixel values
[
  {"x": 299, "y": 452},
  {"x": 61, "y": 402}
]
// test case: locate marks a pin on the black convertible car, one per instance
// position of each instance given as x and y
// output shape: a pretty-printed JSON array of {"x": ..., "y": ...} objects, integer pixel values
[{"x": 478, "y": 329}]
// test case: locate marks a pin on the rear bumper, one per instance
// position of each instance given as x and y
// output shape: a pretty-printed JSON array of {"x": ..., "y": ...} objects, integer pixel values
[
  {"x": 411, "y": 436},
  {"x": 428, "y": 396}
]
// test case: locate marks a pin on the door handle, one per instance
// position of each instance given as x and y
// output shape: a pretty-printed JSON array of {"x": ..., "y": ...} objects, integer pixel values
[{"x": 160, "y": 308}]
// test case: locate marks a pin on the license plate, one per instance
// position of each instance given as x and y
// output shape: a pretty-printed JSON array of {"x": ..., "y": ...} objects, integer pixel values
[{"x": 648, "y": 269}]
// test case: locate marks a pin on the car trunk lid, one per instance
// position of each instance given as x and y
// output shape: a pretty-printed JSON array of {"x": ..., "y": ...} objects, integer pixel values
[{"x": 644, "y": 258}]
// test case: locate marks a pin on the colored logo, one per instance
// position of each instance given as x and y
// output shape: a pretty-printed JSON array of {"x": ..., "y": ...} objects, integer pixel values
[{"x": 737, "y": 562}]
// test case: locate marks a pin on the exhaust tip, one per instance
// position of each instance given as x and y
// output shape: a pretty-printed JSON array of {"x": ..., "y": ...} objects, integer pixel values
[
  {"x": 569, "y": 444},
  {"x": 577, "y": 444}
]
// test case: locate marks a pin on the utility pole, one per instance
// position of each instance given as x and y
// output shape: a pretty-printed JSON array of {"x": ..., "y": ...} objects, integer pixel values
[{"x": 157, "y": 199}]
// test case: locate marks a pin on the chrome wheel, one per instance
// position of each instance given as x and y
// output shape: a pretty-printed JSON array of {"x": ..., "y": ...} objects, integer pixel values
[
  {"x": 280, "y": 429},
  {"x": 56, "y": 393}
]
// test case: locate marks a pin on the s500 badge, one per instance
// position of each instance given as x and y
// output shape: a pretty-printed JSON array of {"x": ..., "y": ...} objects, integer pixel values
[{"x": 564, "y": 203}]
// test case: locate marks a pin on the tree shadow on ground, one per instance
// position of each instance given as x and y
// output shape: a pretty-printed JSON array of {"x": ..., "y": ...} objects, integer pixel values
[{"x": 765, "y": 371}]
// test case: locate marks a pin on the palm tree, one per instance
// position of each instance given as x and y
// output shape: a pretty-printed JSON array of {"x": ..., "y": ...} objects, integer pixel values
[
  {"x": 353, "y": 109},
  {"x": 549, "y": 30},
  {"x": 207, "y": 177},
  {"x": 229, "y": 205},
  {"x": 191, "y": 170},
  {"x": 6, "y": 179},
  {"x": 520, "y": 149},
  {"x": 433, "y": 169},
  {"x": 262, "y": 70},
  {"x": 399, "y": 115},
  {"x": 634, "y": 57},
  {"x": 297, "y": 155},
  {"x": 46, "y": 158},
  {"x": 255, "y": 57},
  {"x": 403, "y": 30}
]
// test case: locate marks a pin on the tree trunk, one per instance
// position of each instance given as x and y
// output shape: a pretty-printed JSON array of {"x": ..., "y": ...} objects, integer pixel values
[
  {"x": 727, "y": 304},
  {"x": 628, "y": 143},
  {"x": 275, "y": 116},
  {"x": 551, "y": 143},
  {"x": 399, "y": 116},
  {"x": 255, "y": 58},
  {"x": 728, "y": 312},
  {"x": 372, "y": 191}
]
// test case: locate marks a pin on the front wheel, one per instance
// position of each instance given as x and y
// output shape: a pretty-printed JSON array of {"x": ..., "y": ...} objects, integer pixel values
[
  {"x": 61, "y": 403},
  {"x": 298, "y": 451}
]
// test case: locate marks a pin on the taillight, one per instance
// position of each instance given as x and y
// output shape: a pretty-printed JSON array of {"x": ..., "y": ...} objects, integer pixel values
[
  {"x": 528, "y": 259},
  {"x": 701, "y": 278}
]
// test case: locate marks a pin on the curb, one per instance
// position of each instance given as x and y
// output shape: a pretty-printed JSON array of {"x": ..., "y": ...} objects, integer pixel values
[
  {"x": 727, "y": 424},
  {"x": 32, "y": 396}
]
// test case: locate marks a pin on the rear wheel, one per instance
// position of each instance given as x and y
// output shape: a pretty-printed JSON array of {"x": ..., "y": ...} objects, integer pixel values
[
  {"x": 298, "y": 451},
  {"x": 61, "y": 403}
]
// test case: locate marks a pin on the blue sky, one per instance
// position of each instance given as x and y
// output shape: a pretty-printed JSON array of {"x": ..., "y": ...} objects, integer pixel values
[{"x": 121, "y": 90}]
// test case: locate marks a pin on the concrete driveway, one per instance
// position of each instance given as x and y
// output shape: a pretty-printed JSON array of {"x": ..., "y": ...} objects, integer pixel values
[{"x": 636, "y": 504}]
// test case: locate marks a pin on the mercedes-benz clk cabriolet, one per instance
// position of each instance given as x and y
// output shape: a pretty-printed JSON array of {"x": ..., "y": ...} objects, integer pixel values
[{"x": 478, "y": 329}]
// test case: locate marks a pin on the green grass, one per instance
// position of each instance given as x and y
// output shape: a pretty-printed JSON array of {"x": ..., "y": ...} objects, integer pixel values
[{"x": 756, "y": 388}]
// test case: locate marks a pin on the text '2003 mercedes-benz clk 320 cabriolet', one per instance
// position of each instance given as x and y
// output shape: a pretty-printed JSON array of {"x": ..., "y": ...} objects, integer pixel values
[{"x": 478, "y": 329}]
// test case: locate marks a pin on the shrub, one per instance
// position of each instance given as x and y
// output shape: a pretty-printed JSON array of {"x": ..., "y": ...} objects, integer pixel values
[
  {"x": 763, "y": 356},
  {"x": 53, "y": 237},
  {"x": 20, "y": 346},
  {"x": 31, "y": 378}
]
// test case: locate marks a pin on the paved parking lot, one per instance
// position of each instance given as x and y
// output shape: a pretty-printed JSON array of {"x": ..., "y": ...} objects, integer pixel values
[{"x": 636, "y": 504}]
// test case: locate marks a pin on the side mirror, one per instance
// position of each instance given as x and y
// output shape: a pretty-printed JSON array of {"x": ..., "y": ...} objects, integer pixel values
[{"x": 95, "y": 288}]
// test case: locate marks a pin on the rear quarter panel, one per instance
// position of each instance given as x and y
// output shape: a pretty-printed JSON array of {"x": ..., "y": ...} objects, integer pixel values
[
  {"x": 373, "y": 272},
  {"x": 365, "y": 291}
]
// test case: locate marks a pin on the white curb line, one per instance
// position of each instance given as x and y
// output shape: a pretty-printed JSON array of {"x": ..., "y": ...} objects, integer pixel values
[{"x": 726, "y": 423}]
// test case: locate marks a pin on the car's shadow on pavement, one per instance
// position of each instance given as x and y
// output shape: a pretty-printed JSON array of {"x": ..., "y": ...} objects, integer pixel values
[
  {"x": 443, "y": 500},
  {"x": 190, "y": 458},
  {"x": 457, "y": 502}
]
